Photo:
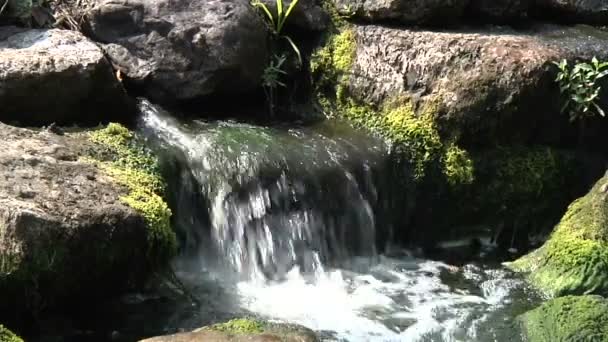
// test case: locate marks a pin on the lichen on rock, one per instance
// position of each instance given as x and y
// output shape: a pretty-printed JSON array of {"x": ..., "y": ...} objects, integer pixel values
[
  {"x": 574, "y": 260},
  {"x": 571, "y": 318}
]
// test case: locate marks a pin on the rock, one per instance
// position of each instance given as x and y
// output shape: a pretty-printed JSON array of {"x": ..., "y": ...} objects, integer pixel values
[
  {"x": 306, "y": 16},
  {"x": 175, "y": 51},
  {"x": 574, "y": 11},
  {"x": 241, "y": 330},
  {"x": 409, "y": 12},
  {"x": 571, "y": 318},
  {"x": 485, "y": 86},
  {"x": 57, "y": 76},
  {"x": 574, "y": 261},
  {"x": 74, "y": 228},
  {"x": 498, "y": 11}
]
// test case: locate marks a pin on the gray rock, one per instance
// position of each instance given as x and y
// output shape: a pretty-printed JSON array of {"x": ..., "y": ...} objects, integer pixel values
[
  {"x": 64, "y": 232},
  {"x": 183, "y": 50},
  {"x": 56, "y": 76},
  {"x": 483, "y": 82},
  {"x": 498, "y": 11},
  {"x": 574, "y": 11},
  {"x": 404, "y": 11}
]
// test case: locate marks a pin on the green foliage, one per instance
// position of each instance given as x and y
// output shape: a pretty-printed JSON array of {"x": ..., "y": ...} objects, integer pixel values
[
  {"x": 575, "y": 258},
  {"x": 131, "y": 165},
  {"x": 580, "y": 86},
  {"x": 571, "y": 318},
  {"x": 240, "y": 326},
  {"x": 271, "y": 77},
  {"x": 8, "y": 336},
  {"x": 458, "y": 167}
]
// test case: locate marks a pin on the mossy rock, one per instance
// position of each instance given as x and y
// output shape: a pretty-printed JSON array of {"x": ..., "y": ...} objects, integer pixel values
[
  {"x": 574, "y": 261},
  {"x": 242, "y": 330},
  {"x": 80, "y": 213},
  {"x": 568, "y": 319},
  {"x": 8, "y": 336}
]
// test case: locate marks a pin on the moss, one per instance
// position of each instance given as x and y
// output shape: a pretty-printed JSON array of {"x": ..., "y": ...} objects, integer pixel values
[
  {"x": 8, "y": 336},
  {"x": 575, "y": 258},
  {"x": 131, "y": 165},
  {"x": 458, "y": 167},
  {"x": 240, "y": 326},
  {"x": 572, "y": 318}
]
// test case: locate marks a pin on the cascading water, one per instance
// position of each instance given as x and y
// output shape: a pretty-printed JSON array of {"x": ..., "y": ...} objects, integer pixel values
[{"x": 284, "y": 223}]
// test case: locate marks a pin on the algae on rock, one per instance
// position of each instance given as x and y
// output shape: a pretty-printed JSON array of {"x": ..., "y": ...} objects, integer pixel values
[
  {"x": 570, "y": 318},
  {"x": 574, "y": 260}
]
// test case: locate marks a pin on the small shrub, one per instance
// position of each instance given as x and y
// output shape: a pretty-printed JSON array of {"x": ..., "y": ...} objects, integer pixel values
[{"x": 580, "y": 86}]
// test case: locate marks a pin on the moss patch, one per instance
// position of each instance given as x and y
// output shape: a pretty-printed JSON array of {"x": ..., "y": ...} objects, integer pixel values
[
  {"x": 8, "y": 336},
  {"x": 240, "y": 326},
  {"x": 132, "y": 166},
  {"x": 572, "y": 318},
  {"x": 575, "y": 258}
]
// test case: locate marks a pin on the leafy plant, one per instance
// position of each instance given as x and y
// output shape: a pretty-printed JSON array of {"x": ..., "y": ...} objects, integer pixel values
[
  {"x": 277, "y": 21},
  {"x": 271, "y": 79},
  {"x": 580, "y": 85}
]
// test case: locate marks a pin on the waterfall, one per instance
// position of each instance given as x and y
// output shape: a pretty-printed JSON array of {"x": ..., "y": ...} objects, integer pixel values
[{"x": 269, "y": 198}]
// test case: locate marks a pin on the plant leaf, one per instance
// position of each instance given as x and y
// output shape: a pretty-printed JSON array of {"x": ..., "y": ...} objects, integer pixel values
[
  {"x": 600, "y": 111},
  {"x": 261, "y": 5},
  {"x": 295, "y": 49}
]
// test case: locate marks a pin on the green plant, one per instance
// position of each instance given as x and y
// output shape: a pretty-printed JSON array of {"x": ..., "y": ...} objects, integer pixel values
[
  {"x": 271, "y": 80},
  {"x": 277, "y": 22},
  {"x": 580, "y": 85}
]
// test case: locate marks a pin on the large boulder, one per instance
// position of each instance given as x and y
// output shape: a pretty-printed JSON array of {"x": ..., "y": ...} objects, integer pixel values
[
  {"x": 571, "y": 318},
  {"x": 80, "y": 217},
  {"x": 574, "y": 11},
  {"x": 176, "y": 51},
  {"x": 57, "y": 76},
  {"x": 485, "y": 86},
  {"x": 404, "y": 11},
  {"x": 242, "y": 330},
  {"x": 574, "y": 261}
]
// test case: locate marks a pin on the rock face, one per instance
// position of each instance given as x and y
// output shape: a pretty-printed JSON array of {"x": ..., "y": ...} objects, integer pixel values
[
  {"x": 574, "y": 261},
  {"x": 56, "y": 76},
  {"x": 481, "y": 83},
  {"x": 409, "y": 12},
  {"x": 182, "y": 50},
  {"x": 572, "y": 318},
  {"x": 576, "y": 11},
  {"x": 242, "y": 330},
  {"x": 67, "y": 228},
  {"x": 444, "y": 12}
]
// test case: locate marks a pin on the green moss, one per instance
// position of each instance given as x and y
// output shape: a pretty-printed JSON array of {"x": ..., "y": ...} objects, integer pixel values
[
  {"x": 572, "y": 318},
  {"x": 8, "y": 336},
  {"x": 575, "y": 258},
  {"x": 240, "y": 326},
  {"x": 131, "y": 165},
  {"x": 458, "y": 167}
]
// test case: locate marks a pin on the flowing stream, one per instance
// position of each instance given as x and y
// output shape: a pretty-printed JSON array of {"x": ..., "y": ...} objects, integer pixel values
[
  {"x": 289, "y": 224},
  {"x": 282, "y": 223}
]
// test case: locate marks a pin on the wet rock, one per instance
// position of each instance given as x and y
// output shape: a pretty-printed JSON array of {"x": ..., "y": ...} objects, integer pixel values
[
  {"x": 241, "y": 330},
  {"x": 70, "y": 228},
  {"x": 571, "y": 318},
  {"x": 574, "y": 261},
  {"x": 177, "y": 51},
  {"x": 57, "y": 76},
  {"x": 574, "y": 11}
]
